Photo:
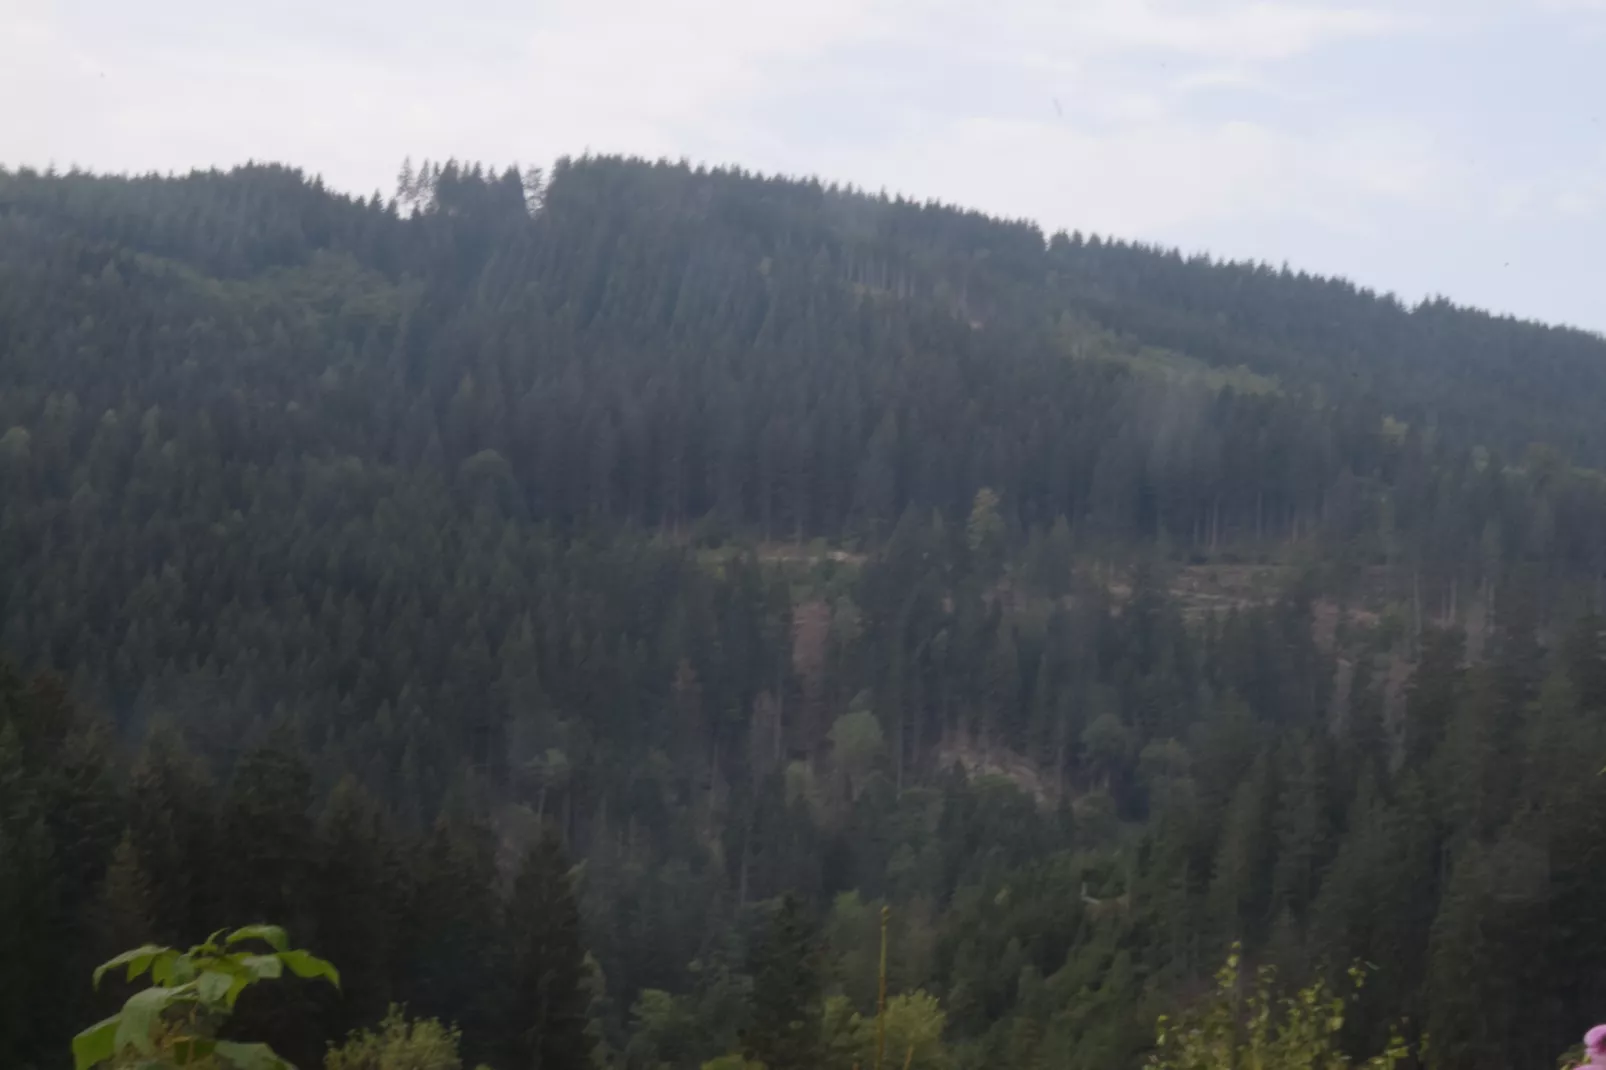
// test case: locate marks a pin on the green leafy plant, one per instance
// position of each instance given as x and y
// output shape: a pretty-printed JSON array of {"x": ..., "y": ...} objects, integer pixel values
[
  {"x": 1236, "y": 1030},
  {"x": 175, "y": 1021},
  {"x": 913, "y": 1023},
  {"x": 398, "y": 1044}
]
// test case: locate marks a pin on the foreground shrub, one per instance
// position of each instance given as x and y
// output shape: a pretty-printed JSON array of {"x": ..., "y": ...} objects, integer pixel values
[{"x": 1237, "y": 1030}]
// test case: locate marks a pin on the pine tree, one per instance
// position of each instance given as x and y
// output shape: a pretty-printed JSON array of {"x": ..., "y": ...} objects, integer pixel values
[
  {"x": 354, "y": 904},
  {"x": 31, "y": 1010},
  {"x": 173, "y": 830},
  {"x": 783, "y": 1030},
  {"x": 123, "y": 915},
  {"x": 1432, "y": 695},
  {"x": 547, "y": 981},
  {"x": 1239, "y": 879},
  {"x": 453, "y": 947},
  {"x": 1464, "y": 982},
  {"x": 268, "y": 832},
  {"x": 1366, "y": 733},
  {"x": 1301, "y": 827}
]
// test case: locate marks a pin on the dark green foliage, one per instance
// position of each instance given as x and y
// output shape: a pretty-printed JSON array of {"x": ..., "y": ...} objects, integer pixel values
[
  {"x": 455, "y": 952},
  {"x": 783, "y": 1027},
  {"x": 173, "y": 831},
  {"x": 1484, "y": 379},
  {"x": 355, "y": 896},
  {"x": 179, "y": 1017},
  {"x": 398, "y": 1044},
  {"x": 29, "y": 885},
  {"x": 125, "y": 906},
  {"x": 547, "y": 986},
  {"x": 390, "y": 537},
  {"x": 266, "y": 834}
]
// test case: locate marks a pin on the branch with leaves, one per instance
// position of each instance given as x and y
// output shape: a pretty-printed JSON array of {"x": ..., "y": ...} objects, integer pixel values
[
  {"x": 1239, "y": 1029},
  {"x": 175, "y": 1022}
]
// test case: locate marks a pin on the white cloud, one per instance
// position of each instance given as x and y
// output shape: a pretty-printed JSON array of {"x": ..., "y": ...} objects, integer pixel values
[
  {"x": 1577, "y": 204},
  {"x": 1567, "y": 6},
  {"x": 347, "y": 90},
  {"x": 672, "y": 60},
  {"x": 1158, "y": 118},
  {"x": 1051, "y": 34},
  {"x": 1234, "y": 32},
  {"x": 1158, "y": 178}
]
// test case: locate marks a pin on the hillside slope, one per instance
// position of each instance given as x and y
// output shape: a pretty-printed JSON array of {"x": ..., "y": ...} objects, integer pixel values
[{"x": 757, "y": 537}]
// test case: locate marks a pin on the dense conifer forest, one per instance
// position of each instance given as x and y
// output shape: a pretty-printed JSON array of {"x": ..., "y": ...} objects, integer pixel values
[{"x": 576, "y": 604}]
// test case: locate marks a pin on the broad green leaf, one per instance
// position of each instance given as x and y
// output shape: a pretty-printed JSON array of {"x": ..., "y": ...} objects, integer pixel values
[
  {"x": 139, "y": 1017},
  {"x": 272, "y": 935},
  {"x": 213, "y": 985},
  {"x": 168, "y": 967},
  {"x": 263, "y": 967},
  {"x": 96, "y": 1044},
  {"x": 138, "y": 961},
  {"x": 241, "y": 975},
  {"x": 249, "y": 1056},
  {"x": 303, "y": 964},
  {"x": 242, "y": 981}
]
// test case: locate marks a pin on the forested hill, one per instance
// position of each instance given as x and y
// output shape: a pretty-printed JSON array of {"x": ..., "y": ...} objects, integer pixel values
[
  {"x": 677, "y": 233},
  {"x": 1091, "y": 607},
  {"x": 1481, "y": 379},
  {"x": 657, "y": 344}
]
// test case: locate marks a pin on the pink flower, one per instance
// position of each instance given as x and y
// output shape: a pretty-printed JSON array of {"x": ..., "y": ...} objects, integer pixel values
[{"x": 1595, "y": 1045}]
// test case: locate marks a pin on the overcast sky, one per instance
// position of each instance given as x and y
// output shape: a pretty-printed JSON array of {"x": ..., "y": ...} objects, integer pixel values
[{"x": 1451, "y": 147}]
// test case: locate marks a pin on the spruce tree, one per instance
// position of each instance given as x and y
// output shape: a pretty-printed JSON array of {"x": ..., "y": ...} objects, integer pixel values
[
  {"x": 123, "y": 913},
  {"x": 354, "y": 897},
  {"x": 267, "y": 830},
  {"x": 173, "y": 830},
  {"x": 453, "y": 945},
  {"x": 267, "y": 839},
  {"x": 547, "y": 966},
  {"x": 783, "y": 1030},
  {"x": 30, "y": 919}
]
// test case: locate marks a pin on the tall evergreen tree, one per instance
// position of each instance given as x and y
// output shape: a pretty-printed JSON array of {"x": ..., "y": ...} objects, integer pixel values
[
  {"x": 267, "y": 831},
  {"x": 173, "y": 832},
  {"x": 355, "y": 902},
  {"x": 547, "y": 979},
  {"x": 783, "y": 1029},
  {"x": 30, "y": 919}
]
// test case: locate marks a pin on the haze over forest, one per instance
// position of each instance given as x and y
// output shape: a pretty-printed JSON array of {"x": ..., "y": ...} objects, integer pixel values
[
  {"x": 1418, "y": 146},
  {"x": 603, "y": 591}
]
